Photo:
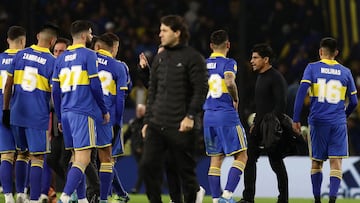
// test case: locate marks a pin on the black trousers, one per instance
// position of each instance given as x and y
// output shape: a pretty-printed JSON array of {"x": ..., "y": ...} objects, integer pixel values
[
  {"x": 180, "y": 147},
  {"x": 277, "y": 165}
]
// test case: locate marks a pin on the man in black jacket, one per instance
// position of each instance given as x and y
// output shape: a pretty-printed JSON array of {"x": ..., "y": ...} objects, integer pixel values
[
  {"x": 270, "y": 97},
  {"x": 177, "y": 91}
]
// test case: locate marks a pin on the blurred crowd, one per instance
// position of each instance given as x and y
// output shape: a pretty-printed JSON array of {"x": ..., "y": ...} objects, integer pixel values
[{"x": 292, "y": 27}]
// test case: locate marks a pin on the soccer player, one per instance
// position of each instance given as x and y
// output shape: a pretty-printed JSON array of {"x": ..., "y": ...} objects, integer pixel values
[
  {"x": 29, "y": 78},
  {"x": 59, "y": 157},
  {"x": 16, "y": 38},
  {"x": 118, "y": 141},
  {"x": 223, "y": 132},
  {"x": 113, "y": 81},
  {"x": 329, "y": 83},
  {"x": 77, "y": 96}
]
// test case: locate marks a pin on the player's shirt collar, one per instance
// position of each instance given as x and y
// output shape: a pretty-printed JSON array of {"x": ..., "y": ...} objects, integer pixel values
[
  {"x": 329, "y": 61},
  {"x": 11, "y": 51},
  {"x": 104, "y": 52},
  {"x": 41, "y": 49},
  {"x": 215, "y": 54},
  {"x": 75, "y": 46}
]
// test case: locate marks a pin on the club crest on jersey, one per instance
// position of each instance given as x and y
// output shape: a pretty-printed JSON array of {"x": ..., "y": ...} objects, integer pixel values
[{"x": 211, "y": 65}]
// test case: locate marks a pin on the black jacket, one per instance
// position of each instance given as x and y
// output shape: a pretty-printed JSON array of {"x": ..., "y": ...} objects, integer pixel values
[
  {"x": 279, "y": 137},
  {"x": 178, "y": 86}
]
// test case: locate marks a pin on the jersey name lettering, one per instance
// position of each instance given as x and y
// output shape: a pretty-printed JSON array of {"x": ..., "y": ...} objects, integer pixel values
[
  {"x": 331, "y": 71},
  {"x": 35, "y": 58}
]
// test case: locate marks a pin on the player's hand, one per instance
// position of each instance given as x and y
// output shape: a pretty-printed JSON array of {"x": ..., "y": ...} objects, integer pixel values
[
  {"x": 6, "y": 118},
  {"x": 297, "y": 127},
  {"x": 60, "y": 127},
  {"x": 143, "y": 62},
  {"x": 186, "y": 124},
  {"x": 106, "y": 118},
  {"x": 143, "y": 130}
]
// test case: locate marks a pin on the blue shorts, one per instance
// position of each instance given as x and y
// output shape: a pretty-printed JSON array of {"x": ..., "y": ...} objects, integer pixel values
[
  {"x": 224, "y": 140},
  {"x": 35, "y": 141},
  {"x": 328, "y": 141},
  {"x": 118, "y": 145},
  {"x": 104, "y": 135},
  {"x": 7, "y": 140},
  {"x": 79, "y": 131}
]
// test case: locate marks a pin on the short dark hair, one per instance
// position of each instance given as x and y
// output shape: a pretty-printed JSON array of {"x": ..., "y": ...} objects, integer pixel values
[
  {"x": 80, "y": 26},
  {"x": 176, "y": 23},
  {"x": 264, "y": 50},
  {"x": 50, "y": 28},
  {"x": 16, "y": 31},
  {"x": 63, "y": 40},
  {"x": 329, "y": 44},
  {"x": 218, "y": 37},
  {"x": 106, "y": 39}
]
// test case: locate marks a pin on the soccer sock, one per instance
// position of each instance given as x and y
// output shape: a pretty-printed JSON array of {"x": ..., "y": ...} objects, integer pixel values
[
  {"x": 335, "y": 179},
  {"x": 234, "y": 175},
  {"x": 35, "y": 176},
  {"x": 6, "y": 169},
  {"x": 46, "y": 178},
  {"x": 21, "y": 173},
  {"x": 75, "y": 175},
  {"x": 9, "y": 198},
  {"x": 117, "y": 186},
  {"x": 316, "y": 180},
  {"x": 214, "y": 181},
  {"x": 81, "y": 189},
  {"x": 105, "y": 175}
]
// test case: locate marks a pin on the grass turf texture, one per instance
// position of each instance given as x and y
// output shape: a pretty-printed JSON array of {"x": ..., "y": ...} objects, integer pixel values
[{"x": 141, "y": 198}]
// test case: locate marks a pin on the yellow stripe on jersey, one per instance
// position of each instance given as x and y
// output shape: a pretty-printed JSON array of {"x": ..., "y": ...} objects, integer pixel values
[
  {"x": 123, "y": 88},
  {"x": 307, "y": 81},
  {"x": 42, "y": 83},
  {"x": 314, "y": 91},
  {"x": 82, "y": 79}
]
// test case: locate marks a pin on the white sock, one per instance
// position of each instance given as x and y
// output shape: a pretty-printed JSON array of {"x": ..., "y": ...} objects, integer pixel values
[
  {"x": 215, "y": 200},
  {"x": 9, "y": 198},
  {"x": 227, "y": 194},
  {"x": 64, "y": 198},
  {"x": 83, "y": 200}
]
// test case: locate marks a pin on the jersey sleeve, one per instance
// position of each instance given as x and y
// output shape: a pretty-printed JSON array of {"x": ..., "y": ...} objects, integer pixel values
[
  {"x": 10, "y": 70},
  {"x": 91, "y": 64},
  {"x": 122, "y": 77},
  {"x": 230, "y": 66},
  {"x": 351, "y": 88},
  {"x": 307, "y": 77}
]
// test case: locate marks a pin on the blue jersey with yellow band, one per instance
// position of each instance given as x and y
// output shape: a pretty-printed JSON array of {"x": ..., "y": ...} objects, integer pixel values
[
  {"x": 31, "y": 69},
  {"x": 6, "y": 59},
  {"x": 113, "y": 79},
  {"x": 329, "y": 83},
  {"x": 75, "y": 74},
  {"x": 218, "y": 98}
]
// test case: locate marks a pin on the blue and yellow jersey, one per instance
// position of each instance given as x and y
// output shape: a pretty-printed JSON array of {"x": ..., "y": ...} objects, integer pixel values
[
  {"x": 128, "y": 78},
  {"x": 329, "y": 83},
  {"x": 6, "y": 59},
  {"x": 31, "y": 69},
  {"x": 113, "y": 79},
  {"x": 218, "y": 98},
  {"x": 74, "y": 69}
]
